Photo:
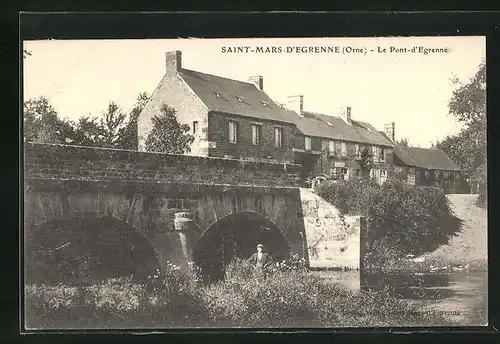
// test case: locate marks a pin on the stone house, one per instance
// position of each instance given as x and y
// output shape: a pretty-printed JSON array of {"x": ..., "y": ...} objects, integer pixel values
[
  {"x": 228, "y": 118},
  {"x": 333, "y": 144},
  {"x": 236, "y": 119},
  {"x": 427, "y": 167}
]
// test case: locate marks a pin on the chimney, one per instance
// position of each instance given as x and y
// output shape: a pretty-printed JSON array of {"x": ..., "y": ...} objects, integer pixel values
[
  {"x": 258, "y": 80},
  {"x": 296, "y": 103},
  {"x": 345, "y": 114},
  {"x": 390, "y": 131},
  {"x": 173, "y": 61}
]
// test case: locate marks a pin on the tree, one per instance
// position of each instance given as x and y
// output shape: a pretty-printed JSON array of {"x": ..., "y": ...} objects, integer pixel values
[
  {"x": 168, "y": 135},
  {"x": 468, "y": 103},
  {"x": 87, "y": 132},
  {"x": 113, "y": 129},
  {"x": 112, "y": 126},
  {"x": 128, "y": 138},
  {"x": 468, "y": 148},
  {"x": 42, "y": 124},
  {"x": 404, "y": 142},
  {"x": 366, "y": 162}
]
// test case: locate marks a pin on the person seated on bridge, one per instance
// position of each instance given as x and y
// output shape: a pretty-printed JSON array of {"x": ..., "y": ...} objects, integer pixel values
[{"x": 260, "y": 261}]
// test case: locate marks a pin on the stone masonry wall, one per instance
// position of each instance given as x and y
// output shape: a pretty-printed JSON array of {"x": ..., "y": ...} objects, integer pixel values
[
  {"x": 88, "y": 163},
  {"x": 333, "y": 241},
  {"x": 244, "y": 148}
]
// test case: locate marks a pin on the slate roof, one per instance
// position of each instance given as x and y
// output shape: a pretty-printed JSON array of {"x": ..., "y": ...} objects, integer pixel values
[
  {"x": 234, "y": 97},
  {"x": 432, "y": 159},
  {"x": 334, "y": 127},
  {"x": 245, "y": 99}
]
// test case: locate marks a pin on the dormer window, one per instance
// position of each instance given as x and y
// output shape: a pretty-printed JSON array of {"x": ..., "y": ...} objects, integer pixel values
[
  {"x": 217, "y": 94},
  {"x": 239, "y": 98},
  {"x": 265, "y": 103}
]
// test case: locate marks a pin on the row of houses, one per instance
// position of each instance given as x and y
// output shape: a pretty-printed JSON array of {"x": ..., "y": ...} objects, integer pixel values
[{"x": 236, "y": 119}]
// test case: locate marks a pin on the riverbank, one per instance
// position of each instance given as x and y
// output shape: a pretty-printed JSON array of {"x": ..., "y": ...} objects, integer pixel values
[
  {"x": 468, "y": 251},
  {"x": 289, "y": 298}
]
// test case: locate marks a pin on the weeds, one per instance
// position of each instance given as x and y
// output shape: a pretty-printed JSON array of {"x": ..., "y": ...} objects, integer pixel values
[{"x": 289, "y": 297}]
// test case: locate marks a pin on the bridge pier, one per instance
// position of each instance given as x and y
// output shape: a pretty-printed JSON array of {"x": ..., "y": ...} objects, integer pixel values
[{"x": 184, "y": 227}]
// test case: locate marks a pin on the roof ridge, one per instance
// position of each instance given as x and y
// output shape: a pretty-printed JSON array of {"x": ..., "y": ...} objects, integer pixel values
[
  {"x": 322, "y": 114},
  {"x": 218, "y": 76},
  {"x": 423, "y": 148}
]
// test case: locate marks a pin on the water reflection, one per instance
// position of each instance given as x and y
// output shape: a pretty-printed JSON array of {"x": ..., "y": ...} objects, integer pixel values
[
  {"x": 409, "y": 285},
  {"x": 464, "y": 293}
]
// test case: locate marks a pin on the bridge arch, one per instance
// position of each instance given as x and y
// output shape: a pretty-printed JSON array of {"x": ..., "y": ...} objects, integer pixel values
[
  {"x": 85, "y": 248},
  {"x": 236, "y": 236}
]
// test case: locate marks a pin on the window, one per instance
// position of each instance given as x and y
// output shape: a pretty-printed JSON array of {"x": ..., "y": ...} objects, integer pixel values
[
  {"x": 344, "y": 149},
  {"x": 411, "y": 179},
  {"x": 411, "y": 170},
  {"x": 381, "y": 154},
  {"x": 338, "y": 149},
  {"x": 331, "y": 146},
  {"x": 375, "y": 153},
  {"x": 233, "y": 132},
  {"x": 383, "y": 176},
  {"x": 340, "y": 173},
  {"x": 195, "y": 127},
  {"x": 256, "y": 134},
  {"x": 278, "y": 137},
  {"x": 307, "y": 143},
  {"x": 338, "y": 169},
  {"x": 358, "y": 152},
  {"x": 398, "y": 169}
]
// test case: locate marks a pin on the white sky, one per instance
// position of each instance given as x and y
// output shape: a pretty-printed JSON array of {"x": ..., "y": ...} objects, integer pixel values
[{"x": 82, "y": 77}]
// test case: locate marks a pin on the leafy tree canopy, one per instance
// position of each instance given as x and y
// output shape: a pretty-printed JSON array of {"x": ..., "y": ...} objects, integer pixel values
[
  {"x": 113, "y": 130},
  {"x": 168, "y": 135}
]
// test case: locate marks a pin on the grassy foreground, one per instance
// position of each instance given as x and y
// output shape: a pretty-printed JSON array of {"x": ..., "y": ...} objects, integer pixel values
[{"x": 290, "y": 297}]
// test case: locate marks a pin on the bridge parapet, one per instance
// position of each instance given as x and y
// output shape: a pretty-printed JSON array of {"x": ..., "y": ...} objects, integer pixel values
[{"x": 53, "y": 161}]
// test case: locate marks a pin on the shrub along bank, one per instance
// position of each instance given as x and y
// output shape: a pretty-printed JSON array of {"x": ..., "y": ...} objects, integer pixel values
[
  {"x": 401, "y": 219},
  {"x": 290, "y": 297}
]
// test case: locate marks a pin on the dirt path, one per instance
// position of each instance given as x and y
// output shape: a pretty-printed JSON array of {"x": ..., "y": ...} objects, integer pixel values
[{"x": 470, "y": 246}]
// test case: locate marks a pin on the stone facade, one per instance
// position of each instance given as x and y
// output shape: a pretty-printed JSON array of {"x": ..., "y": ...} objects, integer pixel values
[
  {"x": 244, "y": 148},
  {"x": 321, "y": 160},
  {"x": 210, "y": 128},
  {"x": 174, "y": 92}
]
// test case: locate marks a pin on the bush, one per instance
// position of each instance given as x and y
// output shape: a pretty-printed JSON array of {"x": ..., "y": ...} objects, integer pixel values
[
  {"x": 482, "y": 198},
  {"x": 173, "y": 298},
  {"x": 289, "y": 297},
  {"x": 401, "y": 219}
]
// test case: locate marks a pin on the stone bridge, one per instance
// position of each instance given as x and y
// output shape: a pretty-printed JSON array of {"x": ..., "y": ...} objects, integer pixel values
[{"x": 182, "y": 205}]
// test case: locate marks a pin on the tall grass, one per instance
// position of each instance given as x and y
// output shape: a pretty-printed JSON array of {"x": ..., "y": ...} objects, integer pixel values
[{"x": 288, "y": 297}]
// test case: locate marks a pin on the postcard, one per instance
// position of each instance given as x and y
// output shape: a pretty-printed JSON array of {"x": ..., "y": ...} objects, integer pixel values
[{"x": 255, "y": 183}]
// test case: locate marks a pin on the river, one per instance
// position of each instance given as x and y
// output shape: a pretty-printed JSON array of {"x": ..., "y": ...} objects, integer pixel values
[{"x": 462, "y": 296}]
